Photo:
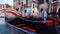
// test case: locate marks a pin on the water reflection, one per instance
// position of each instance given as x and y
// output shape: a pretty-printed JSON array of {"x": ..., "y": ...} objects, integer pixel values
[{"x": 3, "y": 28}]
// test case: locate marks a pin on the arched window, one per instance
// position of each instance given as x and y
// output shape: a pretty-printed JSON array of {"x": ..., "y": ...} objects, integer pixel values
[
  {"x": 25, "y": 11},
  {"x": 33, "y": 11},
  {"x": 59, "y": 12},
  {"x": 33, "y": 5},
  {"x": 17, "y": 9},
  {"x": 22, "y": 3},
  {"x": 26, "y": 2},
  {"x": 19, "y": 3},
  {"x": 41, "y": 9}
]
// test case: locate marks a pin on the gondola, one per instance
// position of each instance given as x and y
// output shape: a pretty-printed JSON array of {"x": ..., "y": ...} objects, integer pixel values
[{"x": 24, "y": 25}]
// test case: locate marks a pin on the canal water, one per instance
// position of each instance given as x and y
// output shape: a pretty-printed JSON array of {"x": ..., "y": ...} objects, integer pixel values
[{"x": 3, "y": 28}]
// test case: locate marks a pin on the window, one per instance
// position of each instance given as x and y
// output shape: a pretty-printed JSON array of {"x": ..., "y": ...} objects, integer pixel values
[
  {"x": 19, "y": 2},
  {"x": 0, "y": 6},
  {"x": 33, "y": 11},
  {"x": 47, "y": 1},
  {"x": 59, "y": 12},
  {"x": 41, "y": 1},
  {"x": 25, "y": 11},
  {"x": 17, "y": 9},
  {"x": 33, "y": 5},
  {"x": 54, "y": 0},
  {"x": 3, "y": 6},
  {"x": 22, "y": 3},
  {"x": 33, "y": 1},
  {"x": 41, "y": 9},
  {"x": 26, "y": 2}
]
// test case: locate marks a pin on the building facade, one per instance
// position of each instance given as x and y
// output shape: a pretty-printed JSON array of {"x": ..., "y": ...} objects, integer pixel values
[
  {"x": 16, "y": 4},
  {"x": 43, "y": 4},
  {"x": 36, "y": 5},
  {"x": 54, "y": 8},
  {"x": 25, "y": 4},
  {"x": 2, "y": 6}
]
